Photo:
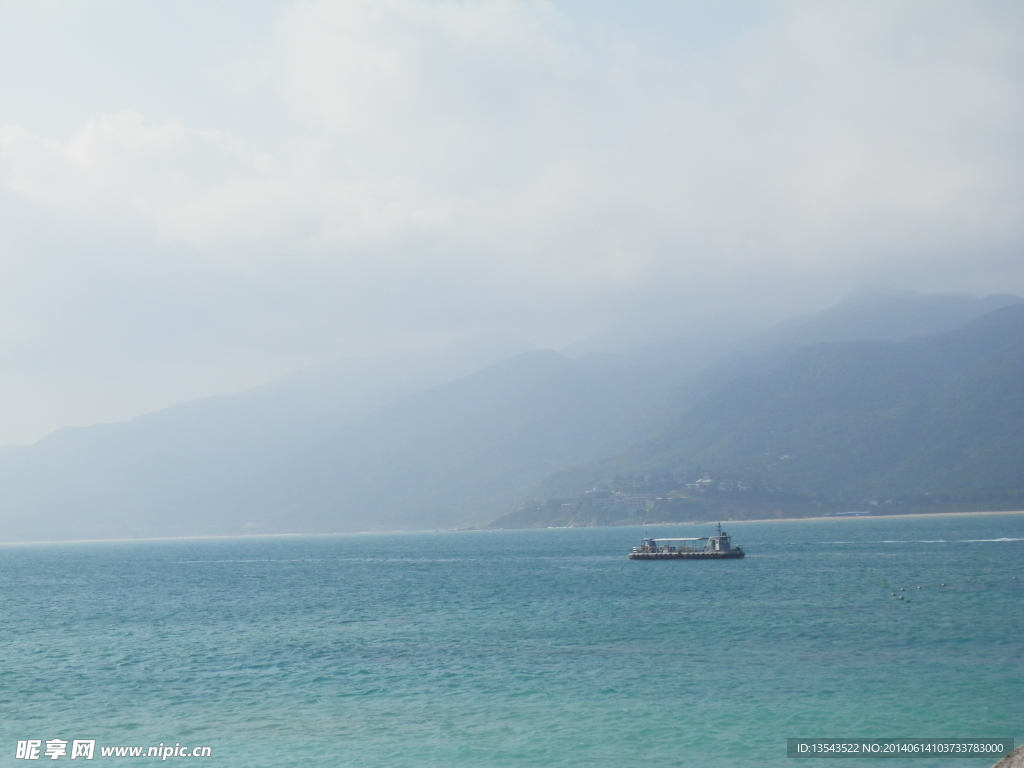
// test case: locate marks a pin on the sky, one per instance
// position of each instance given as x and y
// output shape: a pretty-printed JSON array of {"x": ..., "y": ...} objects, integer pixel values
[{"x": 199, "y": 195}]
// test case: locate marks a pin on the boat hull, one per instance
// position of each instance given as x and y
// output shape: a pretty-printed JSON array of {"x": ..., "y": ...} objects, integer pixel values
[{"x": 728, "y": 555}]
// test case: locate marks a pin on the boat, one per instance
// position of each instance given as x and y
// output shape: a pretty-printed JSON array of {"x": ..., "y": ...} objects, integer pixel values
[{"x": 717, "y": 547}]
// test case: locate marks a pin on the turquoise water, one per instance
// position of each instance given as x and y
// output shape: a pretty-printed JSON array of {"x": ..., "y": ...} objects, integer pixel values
[{"x": 518, "y": 648}]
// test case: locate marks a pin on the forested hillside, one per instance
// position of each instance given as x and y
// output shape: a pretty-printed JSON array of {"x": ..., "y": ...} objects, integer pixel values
[{"x": 927, "y": 423}]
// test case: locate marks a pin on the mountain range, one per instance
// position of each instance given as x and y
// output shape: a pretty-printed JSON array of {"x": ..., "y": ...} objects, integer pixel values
[
  {"x": 457, "y": 437},
  {"x": 929, "y": 423}
]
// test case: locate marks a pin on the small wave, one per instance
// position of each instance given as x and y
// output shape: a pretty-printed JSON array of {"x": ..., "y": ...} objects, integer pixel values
[
  {"x": 408, "y": 559},
  {"x": 935, "y": 541},
  {"x": 295, "y": 560},
  {"x": 886, "y": 541},
  {"x": 1002, "y": 539},
  {"x": 912, "y": 541}
]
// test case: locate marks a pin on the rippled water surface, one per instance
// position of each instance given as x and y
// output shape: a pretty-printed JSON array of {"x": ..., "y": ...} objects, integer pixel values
[{"x": 518, "y": 648}]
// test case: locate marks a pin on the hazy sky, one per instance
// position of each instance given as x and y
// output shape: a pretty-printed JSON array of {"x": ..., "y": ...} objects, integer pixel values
[{"x": 196, "y": 195}]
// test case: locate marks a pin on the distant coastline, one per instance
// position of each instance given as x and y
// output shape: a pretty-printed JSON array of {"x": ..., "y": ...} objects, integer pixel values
[
  {"x": 733, "y": 520},
  {"x": 220, "y": 537},
  {"x": 853, "y": 517}
]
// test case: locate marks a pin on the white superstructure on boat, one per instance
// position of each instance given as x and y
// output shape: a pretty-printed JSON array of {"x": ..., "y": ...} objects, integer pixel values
[{"x": 715, "y": 547}]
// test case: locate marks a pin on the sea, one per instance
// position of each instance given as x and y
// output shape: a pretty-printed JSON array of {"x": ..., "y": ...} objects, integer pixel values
[{"x": 517, "y": 648}]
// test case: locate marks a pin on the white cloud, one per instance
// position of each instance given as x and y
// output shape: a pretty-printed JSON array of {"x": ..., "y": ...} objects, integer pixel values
[
  {"x": 480, "y": 124},
  {"x": 444, "y": 164}
]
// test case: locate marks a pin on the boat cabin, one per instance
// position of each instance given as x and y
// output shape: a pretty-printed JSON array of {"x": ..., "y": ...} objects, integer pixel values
[
  {"x": 673, "y": 545},
  {"x": 714, "y": 547},
  {"x": 720, "y": 542}
]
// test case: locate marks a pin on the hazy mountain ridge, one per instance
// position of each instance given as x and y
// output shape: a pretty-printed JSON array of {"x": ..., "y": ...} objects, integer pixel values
[
  {"x": 451, "y": 454},
  {"x": 413, "y": 443},
  {"x": 219, "y": 465},
  {"x": 860, "y": 419},
  {"x": 454, "y": 453},
  {"x": 935, "y": 420},
  {"x": 874, "y": 313}
]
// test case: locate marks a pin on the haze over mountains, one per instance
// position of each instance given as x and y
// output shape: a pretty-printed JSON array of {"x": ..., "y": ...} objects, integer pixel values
[
  {"x": 935, "y": 422},
  {"x": 460, "y": 437}
]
